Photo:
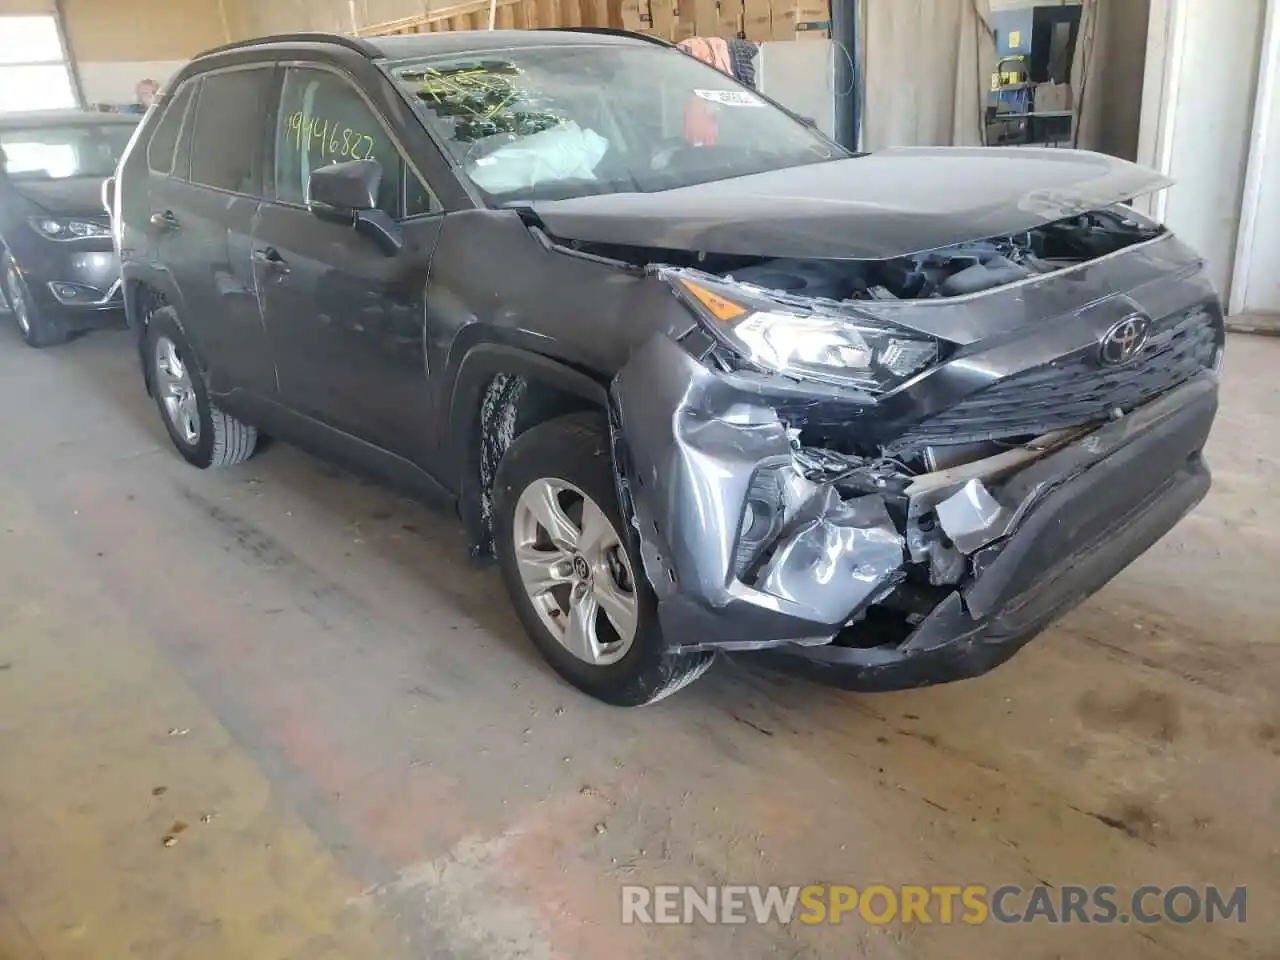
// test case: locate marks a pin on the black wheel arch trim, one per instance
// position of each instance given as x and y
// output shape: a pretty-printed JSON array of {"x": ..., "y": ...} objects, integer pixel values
[
  {"x": 485, "y": 361},
  {"x": 476, "y": 371},
  {"x": 135, "y": 277}
]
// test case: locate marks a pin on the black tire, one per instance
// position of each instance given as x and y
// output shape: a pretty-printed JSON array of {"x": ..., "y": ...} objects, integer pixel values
[
  {"x": 37, "y": 328},
  {"x": 221, "y": 440},
  {"x": 575, "y": 449}
]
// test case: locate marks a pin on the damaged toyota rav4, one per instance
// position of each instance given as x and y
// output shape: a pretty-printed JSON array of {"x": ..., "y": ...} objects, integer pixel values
[{"x": 700, "y": 379}]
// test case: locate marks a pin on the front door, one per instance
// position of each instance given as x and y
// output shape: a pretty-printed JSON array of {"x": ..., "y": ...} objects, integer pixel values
[{"x": 345, "y": 319}]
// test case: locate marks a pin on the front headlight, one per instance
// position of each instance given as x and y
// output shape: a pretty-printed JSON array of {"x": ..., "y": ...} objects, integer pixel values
[
  {"x": 68, "y": 229},
  {"x": 846, "y": 350}
]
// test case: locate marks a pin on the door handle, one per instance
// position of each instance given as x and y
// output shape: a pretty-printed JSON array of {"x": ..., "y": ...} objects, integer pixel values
[
  {"x": 164, "y": 220},
  {"x": 270, "y": 257}
]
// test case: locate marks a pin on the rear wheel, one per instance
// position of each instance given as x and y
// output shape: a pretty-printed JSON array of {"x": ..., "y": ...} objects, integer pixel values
[
  {"x": 205, "y": 435},
  {"x": 34, "y": 325},
  {"x": 576, "y": 584}
]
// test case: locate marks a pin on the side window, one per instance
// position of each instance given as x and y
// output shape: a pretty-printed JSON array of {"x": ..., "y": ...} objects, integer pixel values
[
  {"x": 226, "y": 146},
  {"x": 417, "y": 197},
  {"x": 324, "y": 120},
  {"x": 164, "y": 141}
]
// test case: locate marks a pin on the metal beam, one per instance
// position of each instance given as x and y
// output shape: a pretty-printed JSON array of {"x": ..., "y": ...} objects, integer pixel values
[{"x": 68, "y": 55}]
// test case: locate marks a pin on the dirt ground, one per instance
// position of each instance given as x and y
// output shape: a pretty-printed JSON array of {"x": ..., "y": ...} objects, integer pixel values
[{"x": 272, "y": 713}]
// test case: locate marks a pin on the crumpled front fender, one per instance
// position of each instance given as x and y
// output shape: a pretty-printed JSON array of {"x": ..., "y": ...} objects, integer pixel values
[{"x": 705, "y": 468}]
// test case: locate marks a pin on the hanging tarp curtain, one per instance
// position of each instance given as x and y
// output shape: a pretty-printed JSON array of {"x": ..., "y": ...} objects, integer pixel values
[
  {"x": 927, "y": 68},
  {"x": 1086, "y": 86},
  {"x": 1107, "y": 75}
]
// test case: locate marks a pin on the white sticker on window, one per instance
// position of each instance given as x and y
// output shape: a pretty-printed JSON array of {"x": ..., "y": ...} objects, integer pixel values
[{"x": 731, "y": 98}]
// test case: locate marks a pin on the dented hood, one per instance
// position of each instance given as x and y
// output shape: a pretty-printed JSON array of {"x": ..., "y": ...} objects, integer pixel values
[{"x": 873, "y": 207}]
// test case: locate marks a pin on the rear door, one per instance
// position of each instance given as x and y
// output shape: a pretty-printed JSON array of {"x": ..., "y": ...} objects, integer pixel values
[
  {"x": 202, "y": 217},
  {"x": 345, "y": 318},
  {"x": 166, "y": 156}
]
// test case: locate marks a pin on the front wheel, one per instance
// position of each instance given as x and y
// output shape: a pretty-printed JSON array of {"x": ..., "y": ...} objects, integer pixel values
[
  {"x": 575, "y": 582},
  {"x": 36, "y": 328}
]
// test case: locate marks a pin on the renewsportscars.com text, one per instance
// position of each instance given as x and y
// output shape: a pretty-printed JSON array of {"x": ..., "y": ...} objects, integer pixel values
[{"x": 941, "y": 904}]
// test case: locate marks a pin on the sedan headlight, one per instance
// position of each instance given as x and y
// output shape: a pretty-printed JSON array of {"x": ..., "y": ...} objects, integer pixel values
[
  {"x": 56, "y": 229},
  {"x": 846, "y": 349}
]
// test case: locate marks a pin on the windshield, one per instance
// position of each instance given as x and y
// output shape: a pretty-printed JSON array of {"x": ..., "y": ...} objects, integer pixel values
[
  {"x": 55, "y": 153},
  {"x": 547, "y": 123}
]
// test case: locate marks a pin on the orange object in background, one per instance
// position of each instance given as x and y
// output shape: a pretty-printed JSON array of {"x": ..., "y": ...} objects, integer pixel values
[
  {"x": 700, "y": 126},
  {"x": 710, "y": 50}
]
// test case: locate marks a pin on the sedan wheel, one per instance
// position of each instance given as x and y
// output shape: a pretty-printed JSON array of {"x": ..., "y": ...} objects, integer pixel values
[
  {"x": 17, "y": 300},
  {"x": 176, "y": 391},
  {"x": 575, "y": 571}
]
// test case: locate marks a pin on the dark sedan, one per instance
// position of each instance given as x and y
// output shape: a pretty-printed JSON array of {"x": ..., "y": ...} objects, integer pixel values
[{"x": 61, "y": 273}]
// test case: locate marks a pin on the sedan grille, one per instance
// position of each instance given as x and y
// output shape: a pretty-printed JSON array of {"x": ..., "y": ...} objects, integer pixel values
[{"x": 1075, "y": 392}]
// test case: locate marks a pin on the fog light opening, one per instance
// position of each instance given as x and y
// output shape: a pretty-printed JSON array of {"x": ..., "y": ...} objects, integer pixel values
[{"x": 73, "y": 293}]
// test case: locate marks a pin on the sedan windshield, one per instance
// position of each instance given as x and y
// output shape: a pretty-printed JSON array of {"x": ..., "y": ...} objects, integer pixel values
[
  {"x": 547, "y": 123},
  {"x": 56, "y": 153}
]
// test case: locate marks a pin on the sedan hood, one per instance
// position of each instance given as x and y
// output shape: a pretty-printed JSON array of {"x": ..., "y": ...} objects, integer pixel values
[
  {"x": 73, "y": 196},
  {"x": 875, "y": 207}
]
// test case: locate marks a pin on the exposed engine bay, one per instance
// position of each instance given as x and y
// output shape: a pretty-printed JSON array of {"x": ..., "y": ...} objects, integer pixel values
[
  {"x": 952, "y": 271},
  {"x": 825, "y": 448},
  {"x": 958, "y": 270}
]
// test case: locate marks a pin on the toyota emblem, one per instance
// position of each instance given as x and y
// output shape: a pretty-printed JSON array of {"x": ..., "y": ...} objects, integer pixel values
[{"x": 1125, "y": 340}]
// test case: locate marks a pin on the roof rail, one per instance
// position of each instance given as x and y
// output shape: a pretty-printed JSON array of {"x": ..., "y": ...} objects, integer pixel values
[
  {"x": 360, "y": 46},
  {"x": 613, "y": 32}
]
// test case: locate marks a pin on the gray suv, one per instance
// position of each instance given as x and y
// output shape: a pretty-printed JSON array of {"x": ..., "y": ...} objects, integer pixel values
[{"x": 698, "y": 378}]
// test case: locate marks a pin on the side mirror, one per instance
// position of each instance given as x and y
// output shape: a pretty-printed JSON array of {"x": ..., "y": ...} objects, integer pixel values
[
  {"x": 341, "y": 190},
  {"x": 347, "y": 193}
]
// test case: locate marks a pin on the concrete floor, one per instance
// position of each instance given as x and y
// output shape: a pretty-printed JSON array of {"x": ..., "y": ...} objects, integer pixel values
[{"x": 353, "y": 751}]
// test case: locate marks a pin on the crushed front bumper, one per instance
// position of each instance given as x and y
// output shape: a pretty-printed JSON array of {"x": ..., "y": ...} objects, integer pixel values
[{"x": 692, "y": 445}]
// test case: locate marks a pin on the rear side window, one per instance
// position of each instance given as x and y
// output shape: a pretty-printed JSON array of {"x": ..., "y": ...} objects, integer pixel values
[
  {"x": 164, "y": 141},
  {"x": 324, "y": 120},
  {"x": 226, "y": 148}
]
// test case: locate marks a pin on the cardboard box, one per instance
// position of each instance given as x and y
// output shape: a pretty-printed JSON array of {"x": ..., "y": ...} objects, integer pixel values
[
  {"x": 683, "y": 28},
  {"x": 663, "y": 15},
  {"x": 730, "y": 18},
  {"x": 635, "y": 15},
  {"x": 706, "y": 17},
  {"x": 813, "y": 20},
  {"x": 782, "y": 24},
  {"x": 798, "y": 20},
  {"x": 757, "y": 17},
  {"x": 1052, "y": 96},
  {"x": 813, "y": 30}
]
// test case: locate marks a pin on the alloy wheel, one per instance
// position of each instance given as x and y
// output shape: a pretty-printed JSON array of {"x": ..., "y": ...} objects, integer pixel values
[
  {"x": 176, "y": 392},
  {"x": 17, "y": 301},
  {"x": 575, "y": 571}
]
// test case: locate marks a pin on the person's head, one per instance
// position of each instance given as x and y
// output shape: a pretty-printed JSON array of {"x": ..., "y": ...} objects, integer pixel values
[{"x": 147, "y": 90}]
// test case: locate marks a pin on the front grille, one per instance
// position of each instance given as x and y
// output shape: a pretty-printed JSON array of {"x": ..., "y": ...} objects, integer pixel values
[{"x": 1075, "y": 392}]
